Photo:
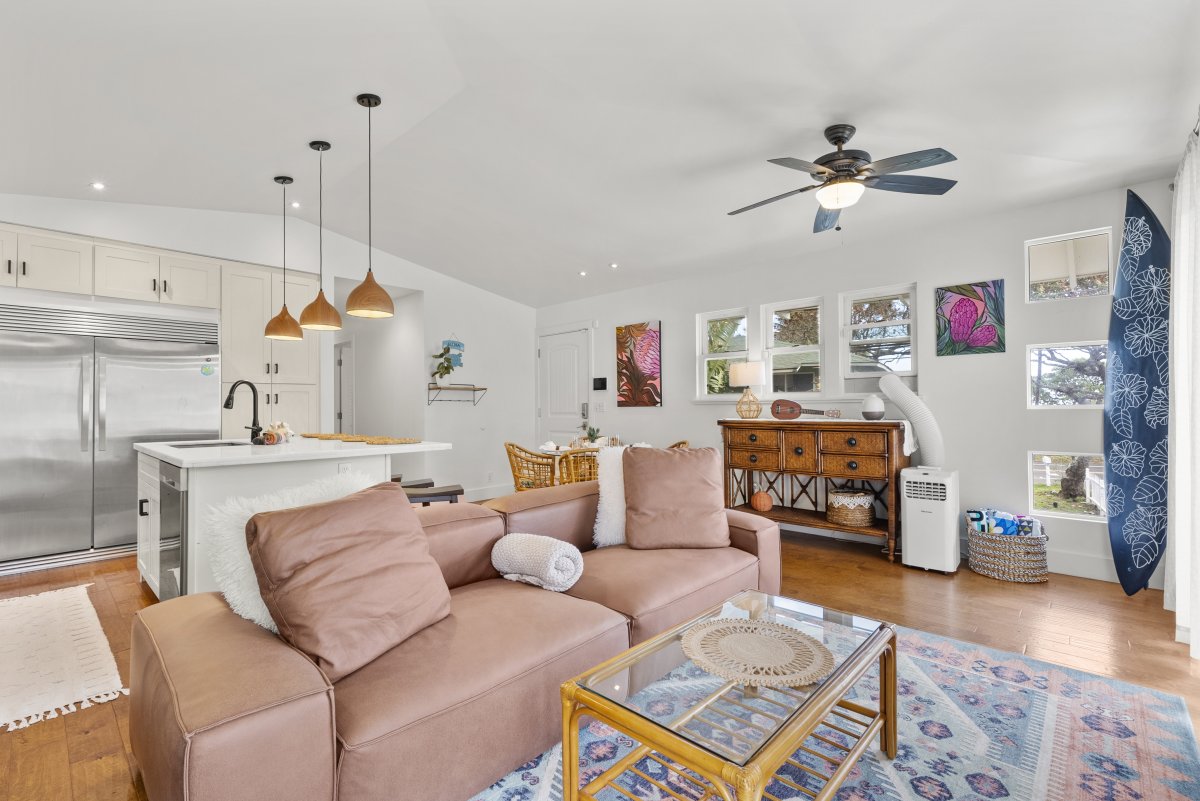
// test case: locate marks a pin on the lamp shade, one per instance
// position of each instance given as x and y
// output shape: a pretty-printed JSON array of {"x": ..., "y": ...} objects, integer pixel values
[
  {"x": 283, "y": 326},
  {"x": 320, "y": 315},
  {"x": 840, "y": 193},
  {"x": 369, "y": 299},
  {"x": 747, "y": 374}
]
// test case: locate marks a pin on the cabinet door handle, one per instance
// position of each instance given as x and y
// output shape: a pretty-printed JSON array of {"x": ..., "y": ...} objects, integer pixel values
[
  {"x": 268, "y": 368},
  {"x": 852, "y": 465},
  {"x": 753, "y": 458},
  {"x": 798, "y": 451},
  {"x": 10, "y": 266},
  {"x": 24, "y": 268},
  {"x": 276, "y": 368},
  {"x": 164, "y": 286},
  {"x": 276, "y": 398},
  {"x": 268, "y": 398},
  {"x": 851, "y": 442},
  {"x": 154, "y": 284},
  {"x": 142, "y": 507},
  {"x": 754, "y": 437}
]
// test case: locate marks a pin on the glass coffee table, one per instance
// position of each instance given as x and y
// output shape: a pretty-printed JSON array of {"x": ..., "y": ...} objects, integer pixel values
[{"x": 703, "y": 737}]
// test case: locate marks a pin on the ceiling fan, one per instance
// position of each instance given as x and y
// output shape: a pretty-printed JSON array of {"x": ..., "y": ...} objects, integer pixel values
[{"x": 844, "y": 175}]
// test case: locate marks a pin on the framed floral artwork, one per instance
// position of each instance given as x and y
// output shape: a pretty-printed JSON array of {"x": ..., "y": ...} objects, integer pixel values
[
  {"x": 639, "y": 364},
  {"x": 970, "y": 318}
]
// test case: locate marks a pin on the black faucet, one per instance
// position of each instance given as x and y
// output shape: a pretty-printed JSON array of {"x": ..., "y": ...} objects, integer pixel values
[{"x": 255, "y": 428}]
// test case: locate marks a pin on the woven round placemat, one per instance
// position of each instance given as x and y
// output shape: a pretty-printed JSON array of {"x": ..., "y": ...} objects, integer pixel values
[{"x": 757, "y": 653}]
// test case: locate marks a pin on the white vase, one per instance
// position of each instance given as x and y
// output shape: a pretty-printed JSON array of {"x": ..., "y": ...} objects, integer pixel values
[{"x": 872, "y": 408}]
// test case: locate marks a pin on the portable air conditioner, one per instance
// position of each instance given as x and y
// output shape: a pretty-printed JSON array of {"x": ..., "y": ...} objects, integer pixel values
[{"x": 929, "y": 518}]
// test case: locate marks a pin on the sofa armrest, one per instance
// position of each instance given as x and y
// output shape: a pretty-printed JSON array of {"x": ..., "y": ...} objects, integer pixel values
[
  {"x": 757, "y": 535},
  {"x": 222, "y": 709},
  {"x": 566, "y": 512}
]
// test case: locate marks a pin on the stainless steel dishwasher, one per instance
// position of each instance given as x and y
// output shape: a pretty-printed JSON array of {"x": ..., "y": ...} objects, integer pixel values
[{"x": 172, "y": 532}]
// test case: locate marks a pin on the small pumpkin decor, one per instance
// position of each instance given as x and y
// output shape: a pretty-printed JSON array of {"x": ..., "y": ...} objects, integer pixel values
[{"x": 761, "y": 501}]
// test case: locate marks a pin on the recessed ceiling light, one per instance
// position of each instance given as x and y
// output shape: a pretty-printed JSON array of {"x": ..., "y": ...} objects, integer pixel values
[
  {"x": 583, "y": 273},
  {"x": 295, "y": 204},
  {"x": 614, "y": 265},
  {"x": 97, "y": 185}
]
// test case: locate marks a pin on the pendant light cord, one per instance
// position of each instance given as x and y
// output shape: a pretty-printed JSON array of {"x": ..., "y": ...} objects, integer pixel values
[
  {"x": 321, "y": 220},
  {"x": 284, "y": 245},
  {"x": 370, "y": 198}
]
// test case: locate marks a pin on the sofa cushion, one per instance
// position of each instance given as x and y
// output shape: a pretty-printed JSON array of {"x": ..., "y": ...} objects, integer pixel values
[
  {"x": 566, "y": 512},
  {"x": 346, "y": 580},
  {"x": 657, "y": 589},
  {"x": 471, "y": 696},
  {"x": 461, "y": 536},
  {"x": 674, "y": 498}
]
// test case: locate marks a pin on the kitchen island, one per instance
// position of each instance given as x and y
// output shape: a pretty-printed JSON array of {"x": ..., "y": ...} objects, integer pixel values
[{"x": 179, "y": 481}]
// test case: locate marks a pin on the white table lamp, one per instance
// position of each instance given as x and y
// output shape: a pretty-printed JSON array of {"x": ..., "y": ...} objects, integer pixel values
[{"x": 748, "y": 374}]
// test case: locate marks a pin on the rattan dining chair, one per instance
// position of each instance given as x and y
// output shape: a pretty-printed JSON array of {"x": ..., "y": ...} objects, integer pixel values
[
  {"x": 579, "y": 465},
  {"x": 683, "y": 443},
  {"x": 530, "y": 469}
]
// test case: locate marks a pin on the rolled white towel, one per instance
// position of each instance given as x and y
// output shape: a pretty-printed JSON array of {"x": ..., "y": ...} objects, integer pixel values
[{"x": 541, "y": 561}]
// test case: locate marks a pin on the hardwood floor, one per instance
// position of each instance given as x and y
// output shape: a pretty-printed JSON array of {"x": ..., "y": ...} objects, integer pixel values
[{"x": 1089, "y": 625}]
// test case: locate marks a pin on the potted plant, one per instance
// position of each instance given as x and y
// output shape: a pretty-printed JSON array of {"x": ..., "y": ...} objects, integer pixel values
[{"x": 443, "y": 367}]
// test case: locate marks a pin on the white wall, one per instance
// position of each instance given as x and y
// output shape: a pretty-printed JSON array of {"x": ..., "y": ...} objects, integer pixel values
[
  {"x": 498, "y": 332},
  {"x": 979, "y": 400}
]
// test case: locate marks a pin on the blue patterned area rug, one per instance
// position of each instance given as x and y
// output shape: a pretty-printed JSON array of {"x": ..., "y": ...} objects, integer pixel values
[{"x": 976, "y": 724}]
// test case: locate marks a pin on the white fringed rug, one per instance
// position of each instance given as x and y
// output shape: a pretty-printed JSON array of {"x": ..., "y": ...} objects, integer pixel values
[{"x": 54, "y": 657}]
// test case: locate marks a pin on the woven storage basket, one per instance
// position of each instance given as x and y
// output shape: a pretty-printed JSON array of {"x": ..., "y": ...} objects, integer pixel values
[
  {"x": 1020, "y": 558},
  {"x": 850, "y": 507}
]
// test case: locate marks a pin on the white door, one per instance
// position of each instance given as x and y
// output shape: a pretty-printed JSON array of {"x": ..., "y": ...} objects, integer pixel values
[
  {"x": 295, "y": 362},
  {"x": 563, "y": 381},
  {"x": 128, "y": 274},
  {"x": 343, "y": 388},
  {"x": 245, "y": 309},
  {"x": 295, "y": 405},
  {"x": 60, "y": 265},
  {"x": 9, "y": 266},
  {"x": 190, "y": 282}
]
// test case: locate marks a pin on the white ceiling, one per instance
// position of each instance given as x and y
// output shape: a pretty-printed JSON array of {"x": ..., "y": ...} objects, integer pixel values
[{"x": 521, "y": 142}]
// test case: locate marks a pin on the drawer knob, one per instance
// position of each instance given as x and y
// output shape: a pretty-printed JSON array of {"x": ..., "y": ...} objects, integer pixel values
[
  {"x": 798, "y": 451},
  {"x": 754, "y": 437},
  {"x": 851, "y": 442},
  {"x": 853, "y": 465},
  {"x": 753, "y": 458}
]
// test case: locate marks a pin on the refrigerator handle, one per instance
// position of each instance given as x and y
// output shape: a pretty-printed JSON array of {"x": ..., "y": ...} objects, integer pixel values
[
  {"x": 85, "y": 404},
  {"x": 101, "y": 403}
]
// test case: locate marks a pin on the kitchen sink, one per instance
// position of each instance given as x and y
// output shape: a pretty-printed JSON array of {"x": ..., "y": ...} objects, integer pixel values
[{"x": 211, "y": 445}]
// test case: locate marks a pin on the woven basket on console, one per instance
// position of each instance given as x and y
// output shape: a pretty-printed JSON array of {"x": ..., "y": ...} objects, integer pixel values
[
  {"x": 1020, "y": 558},
  {"x": 850, "y": 507}
]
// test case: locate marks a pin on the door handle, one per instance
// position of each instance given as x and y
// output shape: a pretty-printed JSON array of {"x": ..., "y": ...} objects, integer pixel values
[
  {"x": 154, "y": 284},
  {"x": 142, "y": 507},
  {"x": 24, "y": 268},
  {"x": 101, "y": 404},
  {"x": 276, "y": 368},
  {"x": 583, "y": 410},
  {"x": 164, "y": 286},
  {"x": 268, "y": 398},
  {"x": 276, "y": 398},
  {"x": 10, "y": 266},
  {"x": 85, "y": 404},
  {"x": 268, "y": 368}
]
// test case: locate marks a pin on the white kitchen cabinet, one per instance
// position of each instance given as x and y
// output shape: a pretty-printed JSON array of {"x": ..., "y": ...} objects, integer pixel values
[
  {"x": 294, "y": 404},
  {"x": 126, "y": 273},
  {"x": 148, "y": 532},
  {"x": 245, "y": 309},
  {"x": 188, "y": 281},
  {"x": 59, "y": 265},
  {"x": 9, "y": 266},
  {"x": 295, "y": 362}
]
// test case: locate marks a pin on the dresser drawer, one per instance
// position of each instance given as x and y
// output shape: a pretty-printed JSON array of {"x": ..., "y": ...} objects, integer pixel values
[
  {"x": 754, "y": 460},
  {"x": 854, "y": 442},
  {"x": 853, "y": 465},
  {"x": 800, "y": 451},
  {"x": 754, "y": 438}
]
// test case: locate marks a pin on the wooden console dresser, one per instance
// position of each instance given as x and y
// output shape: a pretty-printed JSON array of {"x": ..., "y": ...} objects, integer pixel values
[{"x": 797, "y": 462}]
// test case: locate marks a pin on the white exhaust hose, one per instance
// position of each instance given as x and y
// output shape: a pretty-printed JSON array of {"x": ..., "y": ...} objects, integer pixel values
[{"x": 929, "y": 435}]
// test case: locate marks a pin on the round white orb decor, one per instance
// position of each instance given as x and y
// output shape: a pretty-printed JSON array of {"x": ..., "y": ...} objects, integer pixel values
[{"x": 872, "y": 408}]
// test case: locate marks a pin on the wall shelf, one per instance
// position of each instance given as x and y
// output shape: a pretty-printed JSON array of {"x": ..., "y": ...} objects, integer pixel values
[{"x": 435, "y": 391}]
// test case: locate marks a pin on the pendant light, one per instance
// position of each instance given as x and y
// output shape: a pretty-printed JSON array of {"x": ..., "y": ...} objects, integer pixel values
[
  {"x": 320, "y": 314},
  {"x": 284, "y": 325},
  {"x": 369, "y": 299}
]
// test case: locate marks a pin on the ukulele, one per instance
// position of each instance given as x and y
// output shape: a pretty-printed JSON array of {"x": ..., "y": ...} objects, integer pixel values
[{"x": 790, "y": 410}]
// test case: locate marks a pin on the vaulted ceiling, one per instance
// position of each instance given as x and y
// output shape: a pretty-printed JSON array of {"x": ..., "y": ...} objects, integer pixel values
[{"x": 522, "y": 142}]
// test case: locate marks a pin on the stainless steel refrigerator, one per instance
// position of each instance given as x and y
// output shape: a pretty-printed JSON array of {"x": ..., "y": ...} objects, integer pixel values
[{"x": 77, "y": 389}]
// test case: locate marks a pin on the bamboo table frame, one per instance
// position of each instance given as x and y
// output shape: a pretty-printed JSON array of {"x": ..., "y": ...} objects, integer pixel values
[{"x": 748, "y": 782}]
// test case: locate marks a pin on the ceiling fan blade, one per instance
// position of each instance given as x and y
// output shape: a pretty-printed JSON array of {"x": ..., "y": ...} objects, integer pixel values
[
  {"x": 826, "y": 219},
  {"x": 815, "y": 170},
  {"x": 913, "y": 184},
  {"x": 909, "y": 161},
  {"x": 773, "y": 199}
]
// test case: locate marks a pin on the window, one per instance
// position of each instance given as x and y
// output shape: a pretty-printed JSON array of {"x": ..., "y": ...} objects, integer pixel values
[
  {"x": 1069, "y": 266},
  {"x": 1068, "y": 485},
  {"x": 878, "y": 334},
  {"x": 722, "y": 342},
  {"x": 1067, "y": 376},
  {"x": 793, "y": 350}
]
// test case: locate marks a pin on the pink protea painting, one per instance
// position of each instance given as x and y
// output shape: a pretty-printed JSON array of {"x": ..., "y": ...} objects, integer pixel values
[
  {"x": 970, "y": 318},
  {"x": 639, "y": 364}
]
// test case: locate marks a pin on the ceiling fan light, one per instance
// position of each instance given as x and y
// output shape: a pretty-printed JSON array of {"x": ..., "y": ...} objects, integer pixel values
[
  {"x": 320, "y": 315},
  {"x": 841, "y": 193},
  {"x": 369, "y": 299},
  {"x": 283, "y": 326}
]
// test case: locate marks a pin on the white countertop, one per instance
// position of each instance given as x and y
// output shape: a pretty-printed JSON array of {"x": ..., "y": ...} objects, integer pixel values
[{"x": 298, "y": 450}]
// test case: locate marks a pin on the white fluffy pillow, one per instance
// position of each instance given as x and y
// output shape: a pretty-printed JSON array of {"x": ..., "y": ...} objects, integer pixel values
[
  {"x": 610, "y": 512},
  {"x": 226, "y": 535}
]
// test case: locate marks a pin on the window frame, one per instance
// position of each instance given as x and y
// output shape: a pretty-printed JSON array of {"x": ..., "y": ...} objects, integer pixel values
[
  {"x": 703, "y": 355},
  {"x": 1034, "y": 512},
  {"x": 1047, "y": 240},
  {"x": 846, "y": 329},
  {"x": 770, "y": 351},
  {"x": 1030, "y": 405}
]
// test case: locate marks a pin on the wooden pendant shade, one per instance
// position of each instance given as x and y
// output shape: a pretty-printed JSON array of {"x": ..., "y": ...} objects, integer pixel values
[
  {"x": 284, "y": 326},
  {"x": 369, "y": 299},
  {"x": 320, "y": 315}
]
